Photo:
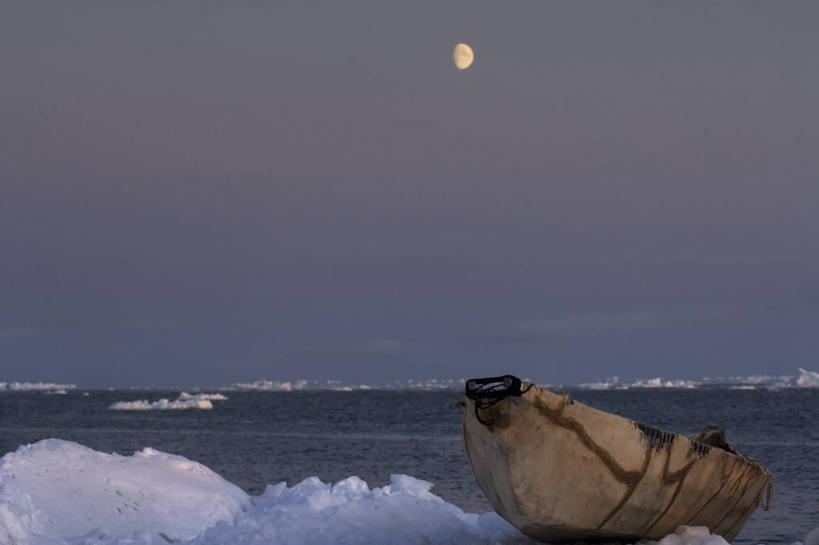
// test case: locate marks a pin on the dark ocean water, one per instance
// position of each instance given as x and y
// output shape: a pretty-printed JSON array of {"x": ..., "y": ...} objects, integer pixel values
[{"x": 258, "y": 438}]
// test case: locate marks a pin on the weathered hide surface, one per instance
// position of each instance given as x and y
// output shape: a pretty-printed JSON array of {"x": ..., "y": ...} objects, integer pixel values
[{"x": 563, "y": 471}]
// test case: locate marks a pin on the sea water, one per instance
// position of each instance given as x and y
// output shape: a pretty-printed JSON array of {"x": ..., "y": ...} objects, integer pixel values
[{"x": 253, "y": 439}]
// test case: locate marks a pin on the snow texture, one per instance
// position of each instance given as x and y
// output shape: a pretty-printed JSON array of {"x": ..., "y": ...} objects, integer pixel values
[
  {"x": 54, "y": 490},
  {"x": 61, "y": 493}
]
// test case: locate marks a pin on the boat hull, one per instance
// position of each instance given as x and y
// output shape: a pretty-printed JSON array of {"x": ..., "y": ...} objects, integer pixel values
[{"x": 559, "y": 470}]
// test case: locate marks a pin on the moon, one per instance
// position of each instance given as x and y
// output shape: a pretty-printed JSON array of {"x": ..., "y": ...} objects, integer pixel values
[{"x": 463, "y": 56}]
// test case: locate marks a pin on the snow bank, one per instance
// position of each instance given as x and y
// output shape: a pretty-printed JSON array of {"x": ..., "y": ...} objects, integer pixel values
[
  {"x": 404, "y": 512},
  {"x": 60, "y": 493},
  {"x": 693, "y": 535},
  {"x": 55, "y": 490},
  {"x": 184, "y": 401},
  {"x": 688, "y": 535}
]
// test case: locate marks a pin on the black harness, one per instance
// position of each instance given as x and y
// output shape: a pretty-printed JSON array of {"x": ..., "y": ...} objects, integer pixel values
[{"x": 486, "y": 392}]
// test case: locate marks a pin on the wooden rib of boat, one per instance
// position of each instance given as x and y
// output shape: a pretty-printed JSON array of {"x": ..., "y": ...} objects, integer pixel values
[{"x": 559, "y": 470}]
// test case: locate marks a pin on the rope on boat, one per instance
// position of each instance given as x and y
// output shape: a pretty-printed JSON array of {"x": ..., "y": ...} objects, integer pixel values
[
  {"x": 658, "y": 438},
  {"x": 655, "y": 436},
  {"x": 489, "y": 391},
  {"x": 700, "y": 448}
]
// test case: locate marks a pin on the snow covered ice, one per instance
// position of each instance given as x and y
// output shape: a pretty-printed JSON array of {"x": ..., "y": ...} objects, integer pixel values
[
  {"x": 58, "y": 492},
  {"x": 54, "y": 490}
]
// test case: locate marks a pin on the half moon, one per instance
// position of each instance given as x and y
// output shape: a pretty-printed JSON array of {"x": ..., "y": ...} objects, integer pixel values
[{"x": 463, "y": 56}]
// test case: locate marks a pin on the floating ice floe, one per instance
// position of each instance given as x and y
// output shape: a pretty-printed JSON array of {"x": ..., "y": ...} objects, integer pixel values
[
  {"x": 61, "y": 493},
  {"x": 184, "y": 401}
]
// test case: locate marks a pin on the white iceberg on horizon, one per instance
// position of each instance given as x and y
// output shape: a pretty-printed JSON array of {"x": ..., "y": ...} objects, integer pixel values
[{"x": 807, "y": 379}]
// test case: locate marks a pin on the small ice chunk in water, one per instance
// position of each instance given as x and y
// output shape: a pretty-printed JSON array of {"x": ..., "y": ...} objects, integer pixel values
[
  {"x": 688, "y": 535},
  {"x": 184, "y": 401},
  {"x": 812, "y": 538}
]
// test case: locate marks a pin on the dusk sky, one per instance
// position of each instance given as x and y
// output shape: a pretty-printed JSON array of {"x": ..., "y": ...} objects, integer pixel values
[{"x": 197, "y": 193}]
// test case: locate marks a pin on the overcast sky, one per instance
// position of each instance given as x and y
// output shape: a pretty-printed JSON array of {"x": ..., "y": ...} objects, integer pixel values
[{"x": 205, "y": 192}]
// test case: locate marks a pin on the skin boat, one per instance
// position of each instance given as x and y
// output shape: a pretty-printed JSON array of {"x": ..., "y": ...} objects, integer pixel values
[{"x": 559, "y": 470}]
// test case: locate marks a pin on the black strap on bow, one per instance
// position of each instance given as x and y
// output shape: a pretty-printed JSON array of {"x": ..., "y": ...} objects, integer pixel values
[{"x": 486, "y": 392}]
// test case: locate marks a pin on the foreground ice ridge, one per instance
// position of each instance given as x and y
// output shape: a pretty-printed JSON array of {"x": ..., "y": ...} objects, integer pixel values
[
  {"x": 54, "y": 491},
  {"x": 57, "y": 492}
]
